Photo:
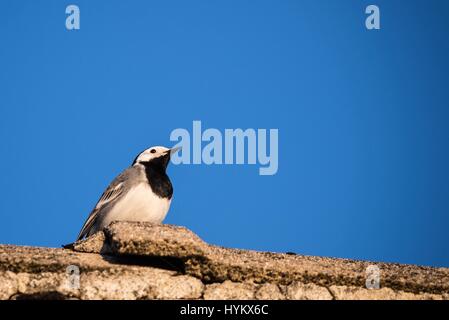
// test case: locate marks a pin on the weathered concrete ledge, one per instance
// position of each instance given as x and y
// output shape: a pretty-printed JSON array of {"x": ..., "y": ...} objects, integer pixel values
[{"x": 142, "y": 261}]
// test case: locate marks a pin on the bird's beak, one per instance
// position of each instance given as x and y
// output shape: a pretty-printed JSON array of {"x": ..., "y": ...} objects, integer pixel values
[
  {"x": 167, "y": 155},
  {"x": 174, "y": 150}
]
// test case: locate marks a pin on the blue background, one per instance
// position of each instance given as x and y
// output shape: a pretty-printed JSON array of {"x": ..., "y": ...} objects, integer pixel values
[{"x": 362, "y": 118}]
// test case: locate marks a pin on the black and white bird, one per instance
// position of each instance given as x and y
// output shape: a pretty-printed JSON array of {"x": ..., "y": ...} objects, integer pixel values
[{"x": 143, "y": 192}]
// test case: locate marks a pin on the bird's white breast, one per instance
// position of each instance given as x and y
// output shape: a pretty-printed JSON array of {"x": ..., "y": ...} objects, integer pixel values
[{"x": 139, "y": 204}]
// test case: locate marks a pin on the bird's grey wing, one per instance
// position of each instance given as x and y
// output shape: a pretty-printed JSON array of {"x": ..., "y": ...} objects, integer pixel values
[{"x": 111, "y": 194}]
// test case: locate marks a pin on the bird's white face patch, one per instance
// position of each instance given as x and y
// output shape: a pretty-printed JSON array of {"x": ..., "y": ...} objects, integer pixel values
[{"x": 152, "y": 153}]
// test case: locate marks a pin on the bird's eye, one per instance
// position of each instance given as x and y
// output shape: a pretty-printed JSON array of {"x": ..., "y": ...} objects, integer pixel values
[{"x": 153, "y": 150}]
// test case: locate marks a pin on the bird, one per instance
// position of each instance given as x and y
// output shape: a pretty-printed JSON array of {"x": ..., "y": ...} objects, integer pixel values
[{"x": 142, "y": 192}]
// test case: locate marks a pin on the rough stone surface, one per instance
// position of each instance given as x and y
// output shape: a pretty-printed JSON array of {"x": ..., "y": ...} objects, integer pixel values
[
  {"x": 95, "y": 244},
  {"x": 229, "y": 290},
  {"x": 27, "y": 273},
  {"x": 156, "y": 240},
  {"x": 310, "y": 291},
  {"x": 354, "y": 293},
  {"x": 143, "y": 261},
  {"x": 269, "y": 291}
]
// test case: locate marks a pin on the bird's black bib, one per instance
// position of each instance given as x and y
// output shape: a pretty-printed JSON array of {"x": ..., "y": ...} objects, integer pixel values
[{"x": 158, "y": 179}]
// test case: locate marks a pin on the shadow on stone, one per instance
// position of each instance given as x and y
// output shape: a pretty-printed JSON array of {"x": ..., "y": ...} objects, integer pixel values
[
  {"x": 167, "y": 263},
  {"x": 49, "y": 295}
]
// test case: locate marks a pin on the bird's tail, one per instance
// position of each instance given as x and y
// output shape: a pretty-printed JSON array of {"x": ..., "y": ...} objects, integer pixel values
[{"x": 69, "y": 246}]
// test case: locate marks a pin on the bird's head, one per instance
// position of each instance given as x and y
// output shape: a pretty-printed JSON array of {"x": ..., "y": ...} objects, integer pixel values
[{"x": 158, "y": 156}]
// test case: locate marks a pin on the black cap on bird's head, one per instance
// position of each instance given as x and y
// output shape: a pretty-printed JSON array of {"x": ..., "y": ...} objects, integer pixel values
[{"x": 156, "y": 156}]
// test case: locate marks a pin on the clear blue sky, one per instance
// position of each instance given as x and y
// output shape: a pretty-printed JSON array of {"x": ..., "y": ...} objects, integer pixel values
[{"x": 363, "y": 119}]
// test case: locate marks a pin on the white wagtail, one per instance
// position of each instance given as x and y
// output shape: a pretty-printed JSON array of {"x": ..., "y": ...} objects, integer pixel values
[{"x": 143, "y": 192}]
